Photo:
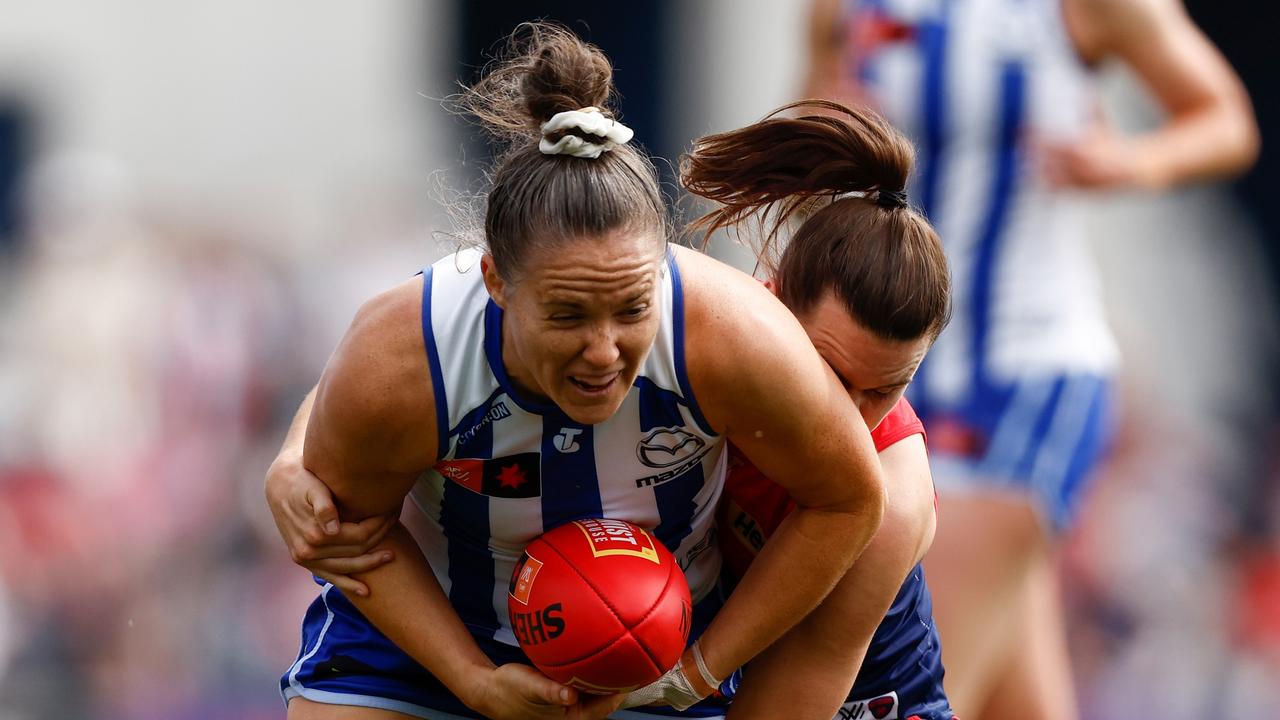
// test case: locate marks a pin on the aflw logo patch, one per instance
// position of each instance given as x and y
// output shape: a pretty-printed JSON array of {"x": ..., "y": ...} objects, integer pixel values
[
  {"x": 513, "y": 476},
  {"x": 884, "y": 707}
]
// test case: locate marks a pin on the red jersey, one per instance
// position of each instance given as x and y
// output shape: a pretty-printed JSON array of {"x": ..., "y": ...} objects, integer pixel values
[{"x": 753, "y": 506}]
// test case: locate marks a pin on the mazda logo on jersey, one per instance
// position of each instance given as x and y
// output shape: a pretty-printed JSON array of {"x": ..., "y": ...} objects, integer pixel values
[
  {"x": 513, "y": 476},
  {"x": 665, "y": 447}
]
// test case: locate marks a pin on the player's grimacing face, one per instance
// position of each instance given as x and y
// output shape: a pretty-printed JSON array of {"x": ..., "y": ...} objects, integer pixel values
[
  {"x": 873, "y": 370},
  {"x": 581, "y": 318}
]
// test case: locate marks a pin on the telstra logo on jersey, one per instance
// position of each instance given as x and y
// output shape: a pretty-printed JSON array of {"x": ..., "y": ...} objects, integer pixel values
[
  {"x": 665, "y": 447},
  {"x": 565, "y": 442}
]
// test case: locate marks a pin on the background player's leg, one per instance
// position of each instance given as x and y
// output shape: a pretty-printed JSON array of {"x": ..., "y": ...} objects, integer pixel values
[
  {"x": 303, "y": 709},
  {"x": 976, "y": 569},
  {"x": 1036, "y": 682}
]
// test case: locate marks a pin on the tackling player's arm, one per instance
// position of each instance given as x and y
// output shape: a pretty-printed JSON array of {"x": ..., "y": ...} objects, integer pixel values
[
  {"x": 308, "y": 520},
  {"x": 824, "y": 652},
  {"x": 760, "y": 382}
]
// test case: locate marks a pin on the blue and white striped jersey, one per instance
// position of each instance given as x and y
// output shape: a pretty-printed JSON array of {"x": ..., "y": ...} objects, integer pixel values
[
  {"x": 512, "y": 468},
  {"x": 978, "y": 85}
]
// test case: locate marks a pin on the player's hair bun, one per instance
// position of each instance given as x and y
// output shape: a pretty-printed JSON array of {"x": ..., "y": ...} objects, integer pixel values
[{"x": 545, "y": 69}]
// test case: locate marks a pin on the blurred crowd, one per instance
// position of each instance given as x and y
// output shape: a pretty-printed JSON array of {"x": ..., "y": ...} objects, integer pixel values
[
  {"x": 148, "y": 367},
  {"x": 151, "y": 356}
]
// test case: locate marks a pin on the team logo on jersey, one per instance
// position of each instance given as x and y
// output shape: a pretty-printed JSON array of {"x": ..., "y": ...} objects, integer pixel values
[
  {"x": 513, "y": 476},
  {"x": 671, "y": 473},
  {"x": 665, "y": 447},
  {"x": 884, "y": 707}
]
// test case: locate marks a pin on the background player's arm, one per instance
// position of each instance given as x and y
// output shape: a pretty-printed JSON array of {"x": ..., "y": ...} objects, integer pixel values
[
  {"x": 823, "y": 653},
  {"x": 1210, "y": 132},
  {"x": 759, "y": 381},
  {"x": 825, "y": 75}
]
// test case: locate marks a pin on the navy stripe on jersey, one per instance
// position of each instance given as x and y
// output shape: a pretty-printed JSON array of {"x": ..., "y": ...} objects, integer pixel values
[
  {"x": 659, "y": 408},
  {"x": 437, "y": 379},
  {"x": 493, "y": 352},
  {"x": 933, "y": 40},
  {"x": 464, "y": 518},
  {"x": 1013, "y": 82},
  {"x": 571, "y": 489},
  {"x": 932, "y": 37},
  {"x": 677, "y": 327}
]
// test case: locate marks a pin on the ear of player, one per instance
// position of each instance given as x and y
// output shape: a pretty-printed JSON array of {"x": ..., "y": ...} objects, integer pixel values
[{"x": 600, "y": 605}]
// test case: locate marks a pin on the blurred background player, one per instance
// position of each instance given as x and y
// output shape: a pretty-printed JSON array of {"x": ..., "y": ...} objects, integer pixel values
[{"x": 1016, "y": 394}]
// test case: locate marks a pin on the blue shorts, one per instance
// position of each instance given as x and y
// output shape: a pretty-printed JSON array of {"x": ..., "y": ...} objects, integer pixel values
[
  {"x": 1042, "y": 436},
  {"x": 345, "y": 660}
]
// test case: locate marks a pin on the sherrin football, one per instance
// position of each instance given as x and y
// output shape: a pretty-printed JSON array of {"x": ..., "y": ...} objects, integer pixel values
[{"x": 600, "y": 605}]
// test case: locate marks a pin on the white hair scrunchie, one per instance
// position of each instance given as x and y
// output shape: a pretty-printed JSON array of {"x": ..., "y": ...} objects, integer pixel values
[{"x": 588, "y": 120}]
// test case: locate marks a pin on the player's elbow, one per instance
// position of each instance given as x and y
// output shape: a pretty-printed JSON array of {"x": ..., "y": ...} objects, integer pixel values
[
  {"x": 868, "y": 498},
  {"x": 907, "y": 527},
  {"x": 1249, "y": 146},
  {"x": 1241, "y": 141}
]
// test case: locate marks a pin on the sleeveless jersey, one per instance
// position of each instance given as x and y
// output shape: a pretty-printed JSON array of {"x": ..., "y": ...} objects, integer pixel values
[
  {"x": 978, "y": 85},
  {"x": 512, "y": 468},
  {"x": 902, "y": 668}
]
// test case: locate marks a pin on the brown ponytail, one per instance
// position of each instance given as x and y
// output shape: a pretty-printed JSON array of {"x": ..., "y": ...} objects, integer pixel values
[
  {"x": 881, "y": 258},
  {"x": 537, "y": 200}
]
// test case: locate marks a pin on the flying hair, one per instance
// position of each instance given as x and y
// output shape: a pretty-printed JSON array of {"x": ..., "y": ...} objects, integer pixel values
[
  {"x": 781, "y": 167},
  {"x": 840, "y": 174}
]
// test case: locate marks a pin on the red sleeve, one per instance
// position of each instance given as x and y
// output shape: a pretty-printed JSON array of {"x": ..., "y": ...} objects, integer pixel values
[
  {"x": 751, "y": 509},
  {"x": 753, "y": 506},
  {"x": 900, "y": 423}
]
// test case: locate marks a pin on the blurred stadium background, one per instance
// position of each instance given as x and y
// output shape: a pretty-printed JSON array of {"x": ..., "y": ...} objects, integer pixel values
[{"x": 195, "y": 197}]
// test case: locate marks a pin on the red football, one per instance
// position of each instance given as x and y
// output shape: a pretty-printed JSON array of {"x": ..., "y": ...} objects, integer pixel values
[{"x": 600, "y": 605}]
